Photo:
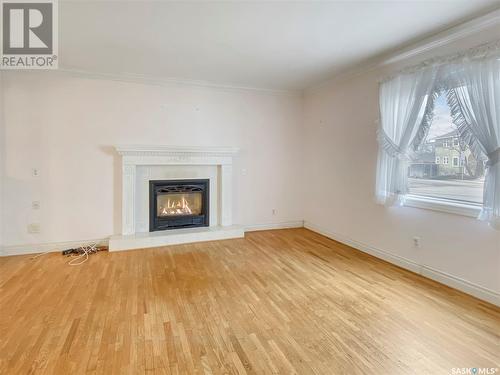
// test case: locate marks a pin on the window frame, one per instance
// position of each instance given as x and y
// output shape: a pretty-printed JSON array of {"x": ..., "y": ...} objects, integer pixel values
[{"x": 443, "y": 205}]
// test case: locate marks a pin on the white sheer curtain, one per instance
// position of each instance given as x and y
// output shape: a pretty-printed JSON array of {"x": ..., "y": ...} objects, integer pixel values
[
  {"x": 403, "y": 100},
  {"x": 477, "y": 108}
]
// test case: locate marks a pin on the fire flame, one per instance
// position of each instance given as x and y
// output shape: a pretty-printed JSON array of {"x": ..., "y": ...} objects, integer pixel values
[{"x": 178, "y": 207}]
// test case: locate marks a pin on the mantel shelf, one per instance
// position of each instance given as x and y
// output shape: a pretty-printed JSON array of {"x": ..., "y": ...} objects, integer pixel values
[{"x": 162, "y": 150}]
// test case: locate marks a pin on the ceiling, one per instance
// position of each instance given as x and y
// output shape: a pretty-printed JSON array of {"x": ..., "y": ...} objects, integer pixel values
[{"x": 276, "y": 45}]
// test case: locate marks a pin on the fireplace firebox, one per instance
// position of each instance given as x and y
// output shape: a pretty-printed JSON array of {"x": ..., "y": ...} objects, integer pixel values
[{"x": 175, "y": 204}]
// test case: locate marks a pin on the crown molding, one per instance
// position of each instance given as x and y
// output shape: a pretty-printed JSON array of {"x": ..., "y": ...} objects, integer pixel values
[
  {"x": 411, "y": 50},
  {"x": 171, "y": 81},
  {"x": 445, "y": 37},
  {"x": 415, "y": 49}
]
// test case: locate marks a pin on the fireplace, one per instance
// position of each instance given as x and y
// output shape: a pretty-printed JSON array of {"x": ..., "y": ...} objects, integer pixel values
[{"x": 175, "y": 204}]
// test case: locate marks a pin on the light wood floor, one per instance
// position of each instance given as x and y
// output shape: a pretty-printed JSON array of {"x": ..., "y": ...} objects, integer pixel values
[{"x": 286, "y": 302}]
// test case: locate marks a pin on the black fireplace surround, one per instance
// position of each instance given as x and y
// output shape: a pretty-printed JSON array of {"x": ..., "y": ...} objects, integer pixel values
[{"x": 175, "y": 204}]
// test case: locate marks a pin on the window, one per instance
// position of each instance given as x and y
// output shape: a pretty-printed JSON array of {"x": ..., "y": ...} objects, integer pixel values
[
  {"x": 411, "y": 137},
  {"x": 443, "y": 169}
]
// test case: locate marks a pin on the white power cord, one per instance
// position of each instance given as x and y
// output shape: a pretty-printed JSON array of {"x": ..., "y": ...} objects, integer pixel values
[
  {"x": 80, "y": 258},
  {"x": 84, "y": 254}
]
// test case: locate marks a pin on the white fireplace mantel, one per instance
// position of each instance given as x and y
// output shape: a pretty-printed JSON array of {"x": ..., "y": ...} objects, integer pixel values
[
  {"x": 134, "y": 156},
  {"x": 143, "y": 155}
]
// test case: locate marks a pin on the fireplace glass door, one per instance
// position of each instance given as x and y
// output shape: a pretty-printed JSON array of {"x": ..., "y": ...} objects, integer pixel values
[{"x": 178, "y": 204}]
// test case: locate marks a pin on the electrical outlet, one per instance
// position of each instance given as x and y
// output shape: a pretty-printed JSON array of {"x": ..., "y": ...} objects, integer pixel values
[
  {"x": 35, "y": 172},
  {"x": 274, "y": 211},
  {"x": 34, "y": 228},
  {"x": 35, "y": 205},
  {"x": 416, "y": 242}
]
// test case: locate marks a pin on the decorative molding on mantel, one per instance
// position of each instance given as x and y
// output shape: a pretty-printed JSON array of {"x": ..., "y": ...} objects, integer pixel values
[{"x": 181, "y": 151}]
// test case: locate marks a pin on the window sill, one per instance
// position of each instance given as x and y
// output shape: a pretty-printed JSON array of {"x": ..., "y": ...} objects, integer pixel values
[{"x": 443, "y": 205}]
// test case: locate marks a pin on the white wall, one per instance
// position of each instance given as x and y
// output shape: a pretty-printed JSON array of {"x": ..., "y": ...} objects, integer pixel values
[
  {"x": 341, "y": 154},
  {"x": 65, "y": 126}
]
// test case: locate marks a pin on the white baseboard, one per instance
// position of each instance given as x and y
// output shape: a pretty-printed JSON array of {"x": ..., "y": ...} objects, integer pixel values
[
  {"x": 426, "y": 271},
  {"x": 462, "y": 285},
  {"x": 59, "y": 246},
  {"x": 48, "y": 247},
  {"x": 268, "y": 226}
]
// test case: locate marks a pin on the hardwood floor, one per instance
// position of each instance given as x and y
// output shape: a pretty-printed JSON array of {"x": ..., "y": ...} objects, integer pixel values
[{"x": 276, "y": 302}]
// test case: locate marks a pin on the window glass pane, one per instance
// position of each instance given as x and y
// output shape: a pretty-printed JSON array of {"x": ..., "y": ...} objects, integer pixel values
[{"x": 444, "y": 166}]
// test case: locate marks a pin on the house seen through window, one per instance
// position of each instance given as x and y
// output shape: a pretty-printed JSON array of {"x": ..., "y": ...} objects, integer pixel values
[{"x": 444, "y": 166}]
